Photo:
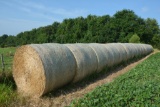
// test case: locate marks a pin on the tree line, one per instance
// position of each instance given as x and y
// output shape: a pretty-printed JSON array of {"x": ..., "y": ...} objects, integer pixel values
[{"x": 99, "y": 29}]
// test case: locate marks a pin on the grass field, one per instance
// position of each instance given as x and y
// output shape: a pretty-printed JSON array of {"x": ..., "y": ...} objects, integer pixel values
[
  {"x": 7, "y": 85},
  {"x": 8, "y": 54},
  {"x": 140, "y": 87}
]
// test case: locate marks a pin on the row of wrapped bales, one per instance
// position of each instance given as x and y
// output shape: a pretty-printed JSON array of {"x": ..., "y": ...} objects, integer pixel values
[{"x": 41, "y": 68}]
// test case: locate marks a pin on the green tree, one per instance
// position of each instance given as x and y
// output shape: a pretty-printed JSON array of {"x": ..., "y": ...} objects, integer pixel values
[
  {"x": 123, "y": 23},
  {"x": 156, "y": 41},
  {"x": 11, "y": 41},
  {"x": 151, "y": 29},
  {"x": 134, "y": 39},
  {"x": 42, "y": 38},
  {"x": 3, "y": 40}
]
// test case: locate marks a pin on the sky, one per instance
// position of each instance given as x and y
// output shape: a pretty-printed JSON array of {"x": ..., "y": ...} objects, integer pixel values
[{"x": 23, "y": 15}]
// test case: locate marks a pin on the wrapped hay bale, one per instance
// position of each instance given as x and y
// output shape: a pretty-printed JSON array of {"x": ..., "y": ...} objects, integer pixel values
[
  {"x": 141, "y": 50},
  {"x": 41, "y": 68},
  {"x": 135, "y": 52},
  {"x": 138, "y": 49},
  {"x": 144, "y": 48},
  {"x": 126, "y": 51},
  {"x": 86, "y": 60},
  {"x": 38, "y": 69},
  {"x": 149, "y": 49},
  {"x": 112, "y": 48},
  {"x": 110, "y": 55},
  {"x": 102, "y": 55},
  {"x": 130, "y": 50},
  {"x": 122, "y": 53},
  {"x": 117, "y": 51}
]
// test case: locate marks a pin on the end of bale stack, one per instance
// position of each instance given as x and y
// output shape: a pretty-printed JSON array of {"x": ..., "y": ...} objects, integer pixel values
[{"x": 28, "y": 72}]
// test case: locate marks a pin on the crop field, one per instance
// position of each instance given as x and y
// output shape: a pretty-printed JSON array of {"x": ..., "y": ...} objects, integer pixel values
[{"x": 138, "y": 87}]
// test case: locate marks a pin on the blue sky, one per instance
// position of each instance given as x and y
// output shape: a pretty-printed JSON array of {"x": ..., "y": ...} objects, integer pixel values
[{"x": 21, "y": 15}]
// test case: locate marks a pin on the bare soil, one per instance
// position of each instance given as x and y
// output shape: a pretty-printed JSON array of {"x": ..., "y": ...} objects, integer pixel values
[{"x": 63, "y": 96}]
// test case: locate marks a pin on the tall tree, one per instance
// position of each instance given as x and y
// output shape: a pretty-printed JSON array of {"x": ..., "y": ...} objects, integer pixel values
[
  {"x": 3, "y": 40},
  {"x": 151, "y": 29},
  {"x": 125, "y": 22}
]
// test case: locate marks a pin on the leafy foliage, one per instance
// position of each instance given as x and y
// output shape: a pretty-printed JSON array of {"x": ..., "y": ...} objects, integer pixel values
[
  {"x": 156, "y": 41},
  {"x": 134, "y": 39},
  {"x": 139, "y": 87}
]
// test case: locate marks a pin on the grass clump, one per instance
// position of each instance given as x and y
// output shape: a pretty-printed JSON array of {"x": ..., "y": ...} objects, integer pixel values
[
  {"x": 138, "y": 87},
  {"x": 7, "y": 91}
]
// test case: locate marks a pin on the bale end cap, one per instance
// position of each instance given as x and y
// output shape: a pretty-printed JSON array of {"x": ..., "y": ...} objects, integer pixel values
[{"x": 28, "y": 72}]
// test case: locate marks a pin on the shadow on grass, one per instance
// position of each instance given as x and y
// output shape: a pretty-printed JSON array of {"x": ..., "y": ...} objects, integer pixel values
[
  {"x": 73, "y": 87},
  {"x": 7, "y": 79}
]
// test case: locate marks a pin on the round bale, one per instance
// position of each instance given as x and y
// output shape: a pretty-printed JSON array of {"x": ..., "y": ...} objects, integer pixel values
[
  {"x": 86, "y": 60},
  {"x": 102, "y": 55},
  {"x": 40, "y": 68}
]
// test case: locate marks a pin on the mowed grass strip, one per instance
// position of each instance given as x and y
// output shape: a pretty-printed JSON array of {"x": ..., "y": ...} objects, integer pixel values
[{"x": 140, "y": 87}]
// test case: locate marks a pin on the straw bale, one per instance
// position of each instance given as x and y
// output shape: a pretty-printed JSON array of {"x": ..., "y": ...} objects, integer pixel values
[
  {"x": 110, "y": 54},
  {"x": 130, "y": 50},
  {"x": 139, "y": 50},
  {"x": 38, "y": 69},
  {"x": 86, "y": 60},
  {"x": 102, "y": 55},
  {"x": 149, "y": 49},
  {"x": 143, "y": 49},
  {"x": 126, "y": 52},
  {"x": 112, "y": 48},
  {"x": 122, "y": 53},
  {"x": 135, "y": 49},
  {"x": 28, "y": 72}
]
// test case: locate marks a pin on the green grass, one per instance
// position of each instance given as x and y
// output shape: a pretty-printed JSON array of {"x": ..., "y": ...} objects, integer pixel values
[
  {"x": 7, "y": 93},
  {"x": 140, "y": 87},
  {"x": 7, "y": 85},
  {"x": 8, "y": 54}
]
